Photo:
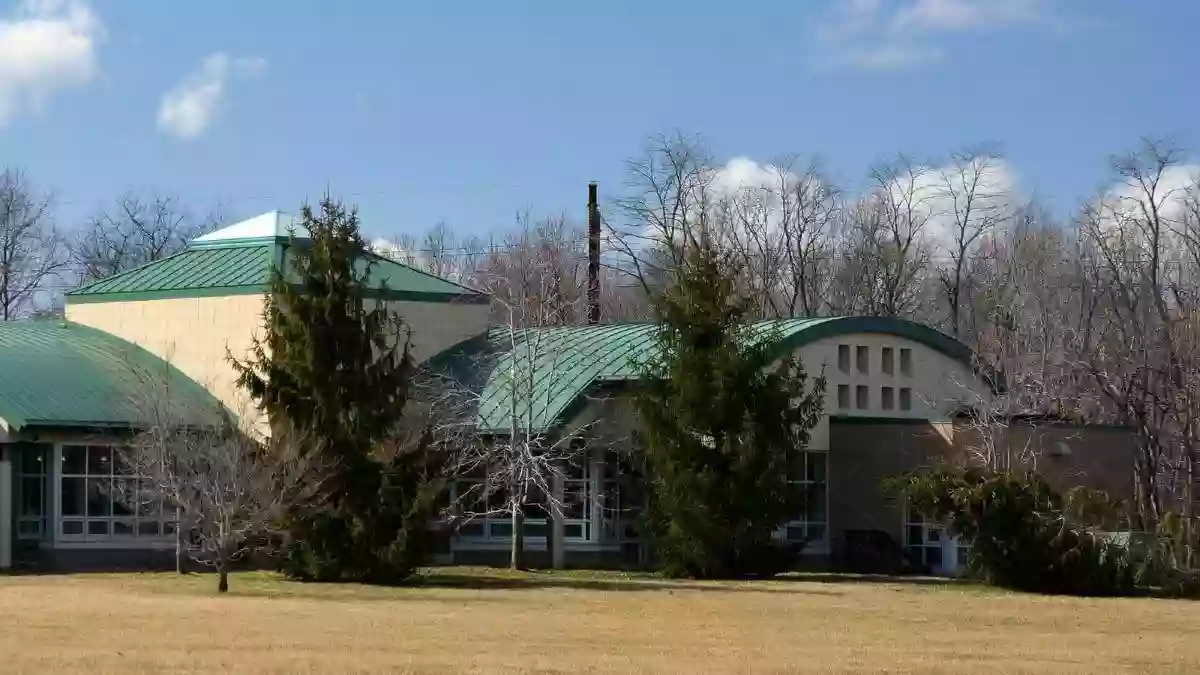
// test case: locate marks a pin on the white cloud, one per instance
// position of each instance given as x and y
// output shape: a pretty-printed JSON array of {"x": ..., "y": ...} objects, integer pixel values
[
  {"x": 190, "y": 107},
  {"x": 46, "y": 46},
  {"x": 892, "y": 34},
  {"x": 752, "y": 189}
]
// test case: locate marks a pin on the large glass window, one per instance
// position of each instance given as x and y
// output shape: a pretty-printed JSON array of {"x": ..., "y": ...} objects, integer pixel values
[
  {"x": 620, "y": 499},
  {"x": 924, "y": 542},
  {"x": 577, "y": 500},
  {"x": 487, "y": 510},
  {"x": 33, "y": 497},
  {"x": 102, "y": 499},
  {"x": 811, "y": 527}
]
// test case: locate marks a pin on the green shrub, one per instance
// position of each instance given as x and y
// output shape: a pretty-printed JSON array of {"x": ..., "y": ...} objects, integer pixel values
[{"x": 1021, "y": 531}]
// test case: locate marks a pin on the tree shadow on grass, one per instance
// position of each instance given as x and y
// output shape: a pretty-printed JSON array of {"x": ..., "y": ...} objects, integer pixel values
[
  {"x": 550, "y": 580},
  {"x": 898, "y": 580}
]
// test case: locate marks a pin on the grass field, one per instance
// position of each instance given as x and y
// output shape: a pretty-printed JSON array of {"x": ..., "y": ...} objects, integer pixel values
[{"x": 492, "y": 622}]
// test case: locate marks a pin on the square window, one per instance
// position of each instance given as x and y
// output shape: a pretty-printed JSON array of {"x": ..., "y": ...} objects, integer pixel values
[
  {"x": 124, "y": 496},
  {"x": 29, "y": 528},
  {"x": 147, "y": 528},
  {"x": 99, "y": 460},
  {"x": 887, "y": 399},
  {"x": 844, "y": 358},
  {"x": 862, "y": 397},
  {"x": 933, "y": 556},
  {"x": 123, "y": 528},
  {"x": 33, "y": 460},
  {"x": 74, "y": 496},
  {"x": 123, "y": 462},
  {"x": 148, "y": 507},
  {"x": 573, "y": 531},
  {"x": 815, "y": 467},
  {"x": 99, "y": 497},
  {"x": 72, "y": 527},
  {"x": 471, "y": 529},
  {"x": 575, "y": 470},
  {"x": 31, "y": 497},
  {"x": 498, "y": 501},
  {"x": 574, "y": 504},
  {"x": 98, "y": 528},
  {"x": 863, "y": 359},
  {"x": 795, "y": 533},
  {"x": 816, "y": 534},
  {"x": 816, "y": 502},
  {"x": 500, "y": 529},
  {"x": 887, "y": 360},
  {"x": 843, "y": 396},
  {"x": 906, "y": 362},
  {"x": 905, "y": 398},
  {"x": 169, "y": 528},
  {"x": 536, "y": 529},
  {"x": 74, "y": 459}
]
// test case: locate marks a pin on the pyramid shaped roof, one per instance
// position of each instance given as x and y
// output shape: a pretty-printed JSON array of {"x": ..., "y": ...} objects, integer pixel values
[{"x": 238, "y": 259}]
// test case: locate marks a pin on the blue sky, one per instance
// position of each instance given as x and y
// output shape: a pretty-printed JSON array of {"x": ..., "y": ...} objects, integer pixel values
[{"x": 467, "y": 112}]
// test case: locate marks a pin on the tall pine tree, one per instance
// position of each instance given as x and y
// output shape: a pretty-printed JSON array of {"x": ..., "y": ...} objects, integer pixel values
[
  {"x": 332, "y": 373},
  {"x": 724, "y": 421}
]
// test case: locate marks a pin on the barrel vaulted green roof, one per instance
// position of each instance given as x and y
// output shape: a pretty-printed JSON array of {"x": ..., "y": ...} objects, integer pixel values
[
  {"x": 59, "y": 374},
  {"x": 540, "y": 377},
  {"x": 238, "y": 260}
]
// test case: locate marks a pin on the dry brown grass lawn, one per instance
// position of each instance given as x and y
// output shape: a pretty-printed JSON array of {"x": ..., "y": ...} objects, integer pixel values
[{"x": 588, "y": 623}]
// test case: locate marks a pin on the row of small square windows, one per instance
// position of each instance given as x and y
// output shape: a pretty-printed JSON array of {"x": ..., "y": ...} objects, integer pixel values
[
  {"x": 862, "y": 397},
  {"x": 862, "y": 358}
]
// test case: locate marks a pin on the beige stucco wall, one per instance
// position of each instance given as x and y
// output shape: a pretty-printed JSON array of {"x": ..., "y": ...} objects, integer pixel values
[
  {"x": 190, "y": 333},
  {"x": 193, "y": 333},
  {"x": 938, "y": 384},
  {"x": 438, "y": 325}
]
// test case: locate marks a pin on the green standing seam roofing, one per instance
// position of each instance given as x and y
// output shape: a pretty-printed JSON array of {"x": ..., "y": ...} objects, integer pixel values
[
  {"x": 244, "y": 267},
  {"x": 60, "y": 374},
  {"x": 570, "y": 361}
]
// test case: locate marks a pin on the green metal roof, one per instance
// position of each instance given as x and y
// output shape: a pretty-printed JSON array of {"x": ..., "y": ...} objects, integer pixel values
[
  {"x": 238, "y": 267},
  {"x": 568, "y": 362},
  {"x": 60, "y": 374}
]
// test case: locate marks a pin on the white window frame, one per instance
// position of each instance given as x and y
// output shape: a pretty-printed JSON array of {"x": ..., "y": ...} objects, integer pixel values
[
  {"x": 951, "y": 553},
  {"x": 164, "y": 517},
  {"x": 45, "y": 520},
  {"x": 818, "y": 546}
]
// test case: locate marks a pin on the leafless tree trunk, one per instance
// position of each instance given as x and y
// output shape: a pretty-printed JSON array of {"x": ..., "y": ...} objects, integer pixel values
[{"x": 31, "y": 251}]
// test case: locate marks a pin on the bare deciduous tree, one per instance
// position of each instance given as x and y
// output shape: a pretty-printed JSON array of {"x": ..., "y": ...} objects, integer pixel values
[
  {"x": 975, "y": 206},
  {"x": 31, "y": 251},
  {"x": 518, "y": 464},
  {"x": 225, "y": 486},
  {"x": 810, "y": 204},
  {"x": 1142, "y": 343},
  {"x": 134, "y": 231}
]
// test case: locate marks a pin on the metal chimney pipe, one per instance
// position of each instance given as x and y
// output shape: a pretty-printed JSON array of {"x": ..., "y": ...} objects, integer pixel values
[{"x": 593, "y": 289}]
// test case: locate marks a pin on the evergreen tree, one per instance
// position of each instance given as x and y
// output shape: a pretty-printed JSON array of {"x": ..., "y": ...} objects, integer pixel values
[
  {"x": 332, "y": 374},
  {"x": 725, "y": 421}
]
